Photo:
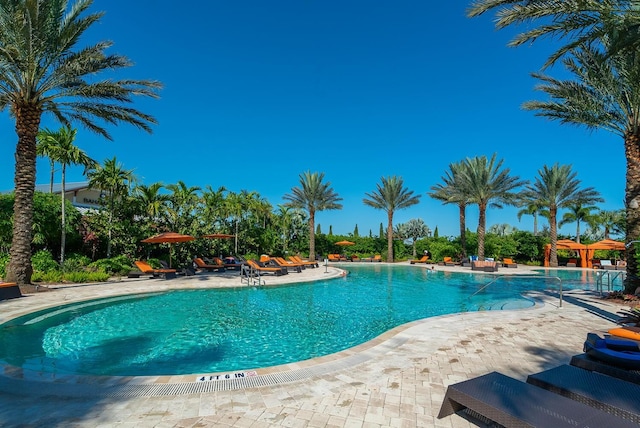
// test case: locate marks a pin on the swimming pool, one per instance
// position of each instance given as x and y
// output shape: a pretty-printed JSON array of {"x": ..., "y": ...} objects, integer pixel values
[{"x": 218, "y": 330}]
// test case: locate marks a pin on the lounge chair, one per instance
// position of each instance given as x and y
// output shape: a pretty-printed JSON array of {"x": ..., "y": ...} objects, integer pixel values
[
  {"x": 606, "y": 264},
  {"x": 313, "y": 264},
  {"x": 572, "y": 263},
  {"x": 219, "y": 261},
  {"x": 509, "y": 263},
  {"x": 510, "y": 402},
  {"x": 621, "y": 265},
  {"x": 263, "y": 269},
  {"x": 607, "y": 393},
  {"x": 355, "y": 258},
  {"x": 377, "y": 258},
  {"x": 424, "y": 259},
  {"x": 208, "y": 267},
  {"x": 336, "y": 258},
  {"x": 9, "y": 290},
  {"x": 147, "y": 268},
  {"x": 280, "y": 262},
  {"x": 447, "y": 261}
]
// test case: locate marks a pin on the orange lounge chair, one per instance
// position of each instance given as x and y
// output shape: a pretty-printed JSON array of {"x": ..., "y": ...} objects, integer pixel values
[
  {"x": 279, "y": 261},
  {"x": 377, "y": 258},
  {"x": 297, "y": 259},
  {"x": 447, "y": 261},
  {"x": 208, "y": 267},
  {"x": 424, "y": 259},
  {"x": 509, "y": 263},
  {"x": 334, "y": 257},
  {"x": 147, "y": 268},
  {"x": 256, "y": 267}
]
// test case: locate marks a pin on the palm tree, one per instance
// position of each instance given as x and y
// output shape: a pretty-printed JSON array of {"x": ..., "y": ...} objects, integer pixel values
[
  {"x": 577, "y": 213},
  {"x": 182, "y": 204},
  {"x": 556, "y": 188},
  {"x": 391, "y": 196},
  {"x": 454, "y": 191},
  {"x": 115, "y": 181},
  {"x": 313, "y": 195},
  {"x": 43, "y": 71},
  {"x": 529, "y": 208},
  {"x": 152, "y": 203},
  {"x": 60, "y": 148},
  {"x": 613, "y": 222},
  {"x": 604, "y": 94},
  {"x": 576, "y": 22},
  {"x": 488, "y": 185}
]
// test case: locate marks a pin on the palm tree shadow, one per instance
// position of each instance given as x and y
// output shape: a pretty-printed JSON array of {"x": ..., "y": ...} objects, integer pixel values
[{"x": 592, "y": 309}]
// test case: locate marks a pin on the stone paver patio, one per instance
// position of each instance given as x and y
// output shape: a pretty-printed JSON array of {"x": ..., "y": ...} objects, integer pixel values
[{"x": 396, "y": 380}]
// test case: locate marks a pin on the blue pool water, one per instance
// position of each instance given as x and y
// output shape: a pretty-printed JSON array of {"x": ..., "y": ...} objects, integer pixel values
[{"x": 220, "y": 330}]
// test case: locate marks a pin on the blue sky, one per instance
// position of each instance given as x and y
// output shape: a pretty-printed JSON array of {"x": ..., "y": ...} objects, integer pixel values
[{"x": 257, "y": 92}]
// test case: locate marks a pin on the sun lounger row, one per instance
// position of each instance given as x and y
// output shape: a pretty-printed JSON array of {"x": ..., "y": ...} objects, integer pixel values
[{"x": 588, "y": 393}]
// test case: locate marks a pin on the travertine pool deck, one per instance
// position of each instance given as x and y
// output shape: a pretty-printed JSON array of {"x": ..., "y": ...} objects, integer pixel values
[{"x": 397, "y": 380}]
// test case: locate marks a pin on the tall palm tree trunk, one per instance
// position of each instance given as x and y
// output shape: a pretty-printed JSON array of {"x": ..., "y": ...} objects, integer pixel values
[
  {"x": 578, "y": 231},
  {"x": 632, "y": 200},
  {"x": 463, "y": 228},
  {"x": 27, "y": 124},
  {"x": 51, "y": 175},
  {"x": 482, "y": 225},
  {"x": 312, "y": 235},
  {"x": 390, "y": 236},
  {"x": 535, "y": 224},
  {"x": 63, "y": 234},
  {"x": 553, "y": 236}
]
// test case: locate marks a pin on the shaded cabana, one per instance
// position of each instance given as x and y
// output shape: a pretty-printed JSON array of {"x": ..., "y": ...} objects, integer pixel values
[
  {"x": 567, "y": 244},
  {"x": 605, "y": 244}
]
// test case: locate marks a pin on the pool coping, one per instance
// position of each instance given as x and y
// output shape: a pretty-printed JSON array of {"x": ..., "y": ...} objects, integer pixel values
[{"x": 15, "y": 379}]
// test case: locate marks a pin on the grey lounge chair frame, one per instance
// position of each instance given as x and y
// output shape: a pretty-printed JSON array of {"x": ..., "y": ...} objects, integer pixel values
[
  {"x": 583, "y": 361},
  {"x": 512, "y": 403}
]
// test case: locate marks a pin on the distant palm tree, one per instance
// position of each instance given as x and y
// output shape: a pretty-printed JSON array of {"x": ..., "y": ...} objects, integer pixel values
[
  {"x": 313, "y": 195},
  {"x": 613, "y": 222},
  {"x": 182, "y": 202},
  {"x": 152, "y": 202},
  {"x": 44, "y": 71},
  {"x": 115, "y": 181},
  {"x": 488, "y": 185},
  {"x": 556, "y": 188},
  {"x": 59, "y": 147},
  {"x": 577, "y": 213},
  {"x": 529, "y": 208},
  {"x": 390, "y": 196},
  {"x": 454, "y": 191}
]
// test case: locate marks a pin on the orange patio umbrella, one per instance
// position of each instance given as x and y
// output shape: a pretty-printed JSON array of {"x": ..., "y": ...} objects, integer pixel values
[
  {"x": 345, "y": 243},
  {"x": 567, "y": 244},
  {"x": 168, "y": 238},
  {"x": 218, "y": 236},
  {"x": 605, "y": 244}
]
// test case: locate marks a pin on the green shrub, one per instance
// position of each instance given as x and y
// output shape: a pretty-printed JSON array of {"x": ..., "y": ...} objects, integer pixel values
[
  {"x": 119, "y": 265},
  {"x": 51, "y": 276},
  {"x": 4, "y": 262},
  {"x": 81, "y": 277},
  {"x": 42, "y": 261},
  {"x": 75, "y": 263}
]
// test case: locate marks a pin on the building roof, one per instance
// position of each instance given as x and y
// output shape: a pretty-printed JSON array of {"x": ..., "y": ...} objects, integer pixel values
[{"x": 68, "y": 187}]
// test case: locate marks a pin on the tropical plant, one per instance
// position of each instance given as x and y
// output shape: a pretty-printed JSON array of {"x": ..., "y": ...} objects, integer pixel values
[
  {"x": 529, "y": 208},
  {"x": 313, "y": 195},
  {"x": 611, "y": 222},
  {"x": 45, "y": 72},
  {"x": 391, "y": 195},
  {"x": 557, "y": 188},
  {"x": 577, "y": 213},
  {"x": 58, "y": 147},
  {"x": 454, "y": 191},
  {"x": 577, "y": 23},
  {"x": 414, "y": 229},
  {"x": 151, "y": 202},
  {"x": 115, "y": 181},
  {"x": 488, "y": 186}
]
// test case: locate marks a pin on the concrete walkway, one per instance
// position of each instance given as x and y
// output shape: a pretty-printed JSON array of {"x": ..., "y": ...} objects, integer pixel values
[{"x": 396, "y": 380}]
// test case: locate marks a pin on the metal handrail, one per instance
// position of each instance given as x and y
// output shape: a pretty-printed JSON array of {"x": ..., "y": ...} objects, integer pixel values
[{"x": 497, "y": 277}]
